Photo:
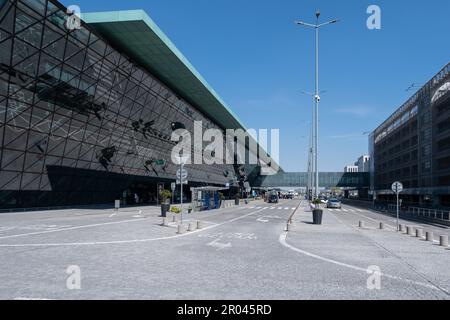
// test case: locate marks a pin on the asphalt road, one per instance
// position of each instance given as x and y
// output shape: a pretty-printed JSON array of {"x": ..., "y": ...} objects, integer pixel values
[{"x": 240, "y": 253}]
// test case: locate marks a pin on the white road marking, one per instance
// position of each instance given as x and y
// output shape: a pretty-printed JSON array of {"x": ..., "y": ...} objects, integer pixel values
[
  {"x": 66, "y": 229},
  {"x": 71, "y": 244},
  {"x": 283, "y": 241},
  {"x": 219, "y": 245},
  {"x": 262, "y": 220},
  {"x": 345, "y": 210}
]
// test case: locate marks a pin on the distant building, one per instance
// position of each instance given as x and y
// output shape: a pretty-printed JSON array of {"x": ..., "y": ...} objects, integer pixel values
[
  {"x": 363, "y": 163},
  {"x": 413, "y": 146},
  {"x": 351, "y": 169}
]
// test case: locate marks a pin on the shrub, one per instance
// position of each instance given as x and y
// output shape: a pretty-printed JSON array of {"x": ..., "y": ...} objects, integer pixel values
[
  {"x": 175, "y": 210},
  {"x": 165, "y": 195}
]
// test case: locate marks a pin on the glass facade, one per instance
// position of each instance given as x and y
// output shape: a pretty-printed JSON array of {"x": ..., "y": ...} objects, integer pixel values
[{"x": 79, "y": 122}]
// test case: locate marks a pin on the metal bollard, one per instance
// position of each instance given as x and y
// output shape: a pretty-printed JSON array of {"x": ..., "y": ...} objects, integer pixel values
[
  {"x": 381, "y": 225},
  {"x": 164, "y": 223},
  {"x": 287, "y": 227},
  {"x": 429, "y": 236},
  {"x": 361, "y": 224},
  {"x": 189, "y": 227},
  {"x": 199, "y": 225},
  {"x": 180, "y": 229},
  {"x": 174, "y": 219},
  {"x": 419, "y": 233},
  {"x": 443, "y": 241}
]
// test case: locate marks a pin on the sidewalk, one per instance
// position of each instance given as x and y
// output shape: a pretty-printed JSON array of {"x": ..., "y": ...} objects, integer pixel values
[{"x": 400, "y": 257}]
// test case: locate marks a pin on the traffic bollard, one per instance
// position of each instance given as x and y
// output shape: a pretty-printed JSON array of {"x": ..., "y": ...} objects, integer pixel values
[
  {"x": 164, "y": 223},
  {"x": 419, "y": 233},
  {"x": 287, "y": 227},
  {"x": 199, "y": 225},
  {"x": 401, "y": 228},
  {"x": 409, "y": 231},
  {"x": 180, "y": 229},
  {"x": 174, "y": 219},
  {"x": 429, "y": 236},
  {"x": 361, "y": 224},
  {"x": 443, "y": 241},
  {"x": 381, "y": 225},
  {"x": 189, "y": 227}
]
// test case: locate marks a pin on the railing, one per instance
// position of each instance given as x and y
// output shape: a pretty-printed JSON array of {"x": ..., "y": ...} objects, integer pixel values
[{"x": 430, "y": 213}]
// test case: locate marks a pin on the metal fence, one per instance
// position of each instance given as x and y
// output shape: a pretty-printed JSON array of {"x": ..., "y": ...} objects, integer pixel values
[
  {"x": 430, "y": 213},
  {"x": 436, "y": 214}
]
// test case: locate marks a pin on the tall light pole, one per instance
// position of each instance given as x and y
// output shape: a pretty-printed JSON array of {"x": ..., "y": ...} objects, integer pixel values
[
  {"x": 311, "y": 164},
  {"x": 316, "y": 26}
]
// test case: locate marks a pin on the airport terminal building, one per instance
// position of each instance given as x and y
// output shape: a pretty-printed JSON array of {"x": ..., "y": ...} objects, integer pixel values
[
  {"x": 86, "y": 114},
  {"x": 413, "y": 146}
]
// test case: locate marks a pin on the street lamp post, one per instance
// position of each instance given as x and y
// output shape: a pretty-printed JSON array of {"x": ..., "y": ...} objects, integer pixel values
[
  {"x": 311, "y": 164},
  {"x": 316, "y": 26}
]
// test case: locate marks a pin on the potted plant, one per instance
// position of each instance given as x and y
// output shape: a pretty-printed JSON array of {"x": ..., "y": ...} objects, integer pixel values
[
  {"x": 317, "y": 212},
  {"x": 165, "y": 196}
]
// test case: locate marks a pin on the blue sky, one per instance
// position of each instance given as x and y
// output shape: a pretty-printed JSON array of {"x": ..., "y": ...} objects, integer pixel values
[{"x": 259, "y": 62}]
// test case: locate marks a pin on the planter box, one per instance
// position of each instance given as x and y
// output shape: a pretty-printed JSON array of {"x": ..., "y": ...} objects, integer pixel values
[
  {"x": 317, "y": 216},
  {"x": 164, "y": 209}
]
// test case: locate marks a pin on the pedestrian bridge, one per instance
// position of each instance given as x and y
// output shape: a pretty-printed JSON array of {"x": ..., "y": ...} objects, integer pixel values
[{"x": 326, "y": 180}]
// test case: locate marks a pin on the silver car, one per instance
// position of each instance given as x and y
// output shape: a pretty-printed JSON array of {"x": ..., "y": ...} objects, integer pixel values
[{"x": 334, "y": 204}]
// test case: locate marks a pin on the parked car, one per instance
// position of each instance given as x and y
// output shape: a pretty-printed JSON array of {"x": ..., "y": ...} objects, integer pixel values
[
  {"x": 334, "y": 204},
  {"x": 273, "y": 198}
]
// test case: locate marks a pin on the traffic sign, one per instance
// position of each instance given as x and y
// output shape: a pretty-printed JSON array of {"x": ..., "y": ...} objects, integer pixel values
[
  {"x": 397, "y": 187},
  {"x": 182, "y": 174},
  {"x": 173, "y": 186},
  {"x": 185, "y": 182}
]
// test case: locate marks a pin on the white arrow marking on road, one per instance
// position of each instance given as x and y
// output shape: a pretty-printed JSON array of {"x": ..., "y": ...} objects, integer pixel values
[
  {"x": 262, "y": 220},
  {"x": 218, "y": 245}
]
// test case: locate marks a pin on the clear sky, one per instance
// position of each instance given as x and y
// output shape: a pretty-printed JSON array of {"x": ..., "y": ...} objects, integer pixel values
[{"x": 259, "y": 62}]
